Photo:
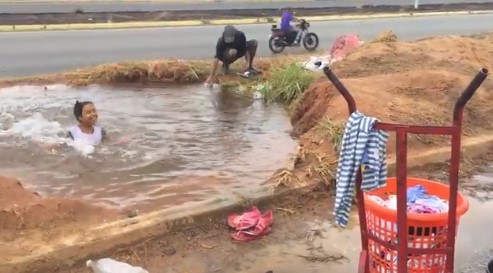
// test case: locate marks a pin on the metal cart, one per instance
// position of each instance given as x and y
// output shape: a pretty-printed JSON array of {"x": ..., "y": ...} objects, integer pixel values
[{"x": 401, "y": 130}]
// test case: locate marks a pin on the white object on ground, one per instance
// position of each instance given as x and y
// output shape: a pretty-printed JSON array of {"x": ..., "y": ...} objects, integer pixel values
[
  {"x": 257, "y": 95},
  {"x": 108, "y": 265},
  {"x": 310, "y": 64}
]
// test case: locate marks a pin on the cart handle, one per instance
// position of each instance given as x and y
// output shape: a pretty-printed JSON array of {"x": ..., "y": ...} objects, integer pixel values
[
  {"x": 351, "y": 103},
  {"x": 459, "y": 105},
  {"x": 467, "y": 94}
]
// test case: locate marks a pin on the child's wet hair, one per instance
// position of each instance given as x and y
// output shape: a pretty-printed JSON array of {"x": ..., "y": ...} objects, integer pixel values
[{"x": 78, "y": 106}]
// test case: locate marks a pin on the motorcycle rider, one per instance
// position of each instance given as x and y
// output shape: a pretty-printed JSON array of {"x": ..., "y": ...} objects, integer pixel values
[
  {"x": 286, "y": 27},
  {"x": 231, "y": 46}
]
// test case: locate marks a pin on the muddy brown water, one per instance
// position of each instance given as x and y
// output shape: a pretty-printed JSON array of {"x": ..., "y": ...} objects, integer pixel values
[{"x": 166, "y": 146}]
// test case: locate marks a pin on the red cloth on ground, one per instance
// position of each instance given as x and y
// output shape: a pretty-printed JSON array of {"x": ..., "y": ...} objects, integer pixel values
[
  {"x": 343, "y": 45},
  {"x": 250, "y": 225}
]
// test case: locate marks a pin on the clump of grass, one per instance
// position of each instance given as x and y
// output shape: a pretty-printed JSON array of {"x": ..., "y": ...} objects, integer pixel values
[
  {"x": 387, "y": 36},
  {"x": 286, "y": 84},
  {"x": 333, "y": 130},
  {"x": 324, "y": 168},
  {"x": 285, "y": 178},
  {"x": 174, "y": 71}
]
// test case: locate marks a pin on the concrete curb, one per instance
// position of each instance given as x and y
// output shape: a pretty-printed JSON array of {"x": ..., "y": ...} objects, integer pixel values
[
  {"x": 126, "y": 232},
  {"x": 191, "y": 23}
]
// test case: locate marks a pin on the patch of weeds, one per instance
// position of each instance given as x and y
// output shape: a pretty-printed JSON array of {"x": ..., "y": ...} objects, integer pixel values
[
  {"x": 333, "y": 130},
  {"x": 325, "y": 170},
  {"x": 286, "y": 84},
  {"x": 285, "y": 178}
]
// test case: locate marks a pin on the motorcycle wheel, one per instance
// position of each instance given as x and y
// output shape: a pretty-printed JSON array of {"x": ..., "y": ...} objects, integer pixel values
[
  {"x": 276, "y": 44},
  {"x": 310, "y": 41}
]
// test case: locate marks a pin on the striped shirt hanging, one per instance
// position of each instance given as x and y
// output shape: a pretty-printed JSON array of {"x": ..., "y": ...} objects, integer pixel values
[{"x": 361, "y": 145}]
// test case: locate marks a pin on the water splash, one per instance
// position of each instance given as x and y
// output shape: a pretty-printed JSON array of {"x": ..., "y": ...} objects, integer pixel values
[
  {"x": 156, "y": 137},
  {"x": 41, "y": 131}
]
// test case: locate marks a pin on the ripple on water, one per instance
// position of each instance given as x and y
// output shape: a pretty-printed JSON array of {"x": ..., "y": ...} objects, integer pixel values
[{"x": 165, "y": 145}]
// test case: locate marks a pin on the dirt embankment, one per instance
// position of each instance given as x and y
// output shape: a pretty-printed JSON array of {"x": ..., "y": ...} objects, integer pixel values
[
  {"x": 28, "y": 221},
  {"x": 79, "y": 16},
  {"x": 401, "y": 82}
]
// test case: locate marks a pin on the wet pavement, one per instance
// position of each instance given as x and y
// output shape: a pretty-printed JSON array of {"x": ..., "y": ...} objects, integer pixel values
[
  {"x": 313, "y": 254},
  {"x": 308, "y": 242},
  {"x": 165, "y": 147}
]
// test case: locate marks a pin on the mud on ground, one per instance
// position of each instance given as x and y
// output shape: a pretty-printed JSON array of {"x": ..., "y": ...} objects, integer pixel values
[
  {"x": 79, "y": 16},
  {"x": 208, "y": 248},
  {"x": 28, "y": 220}
]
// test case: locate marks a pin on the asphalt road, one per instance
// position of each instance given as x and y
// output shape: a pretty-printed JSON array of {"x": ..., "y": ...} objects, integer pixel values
[
  {"x": 115, "y": 6},
  {"x": 29, "y": 53}
]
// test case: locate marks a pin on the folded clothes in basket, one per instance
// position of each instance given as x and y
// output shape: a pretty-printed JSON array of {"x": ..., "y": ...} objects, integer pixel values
[{"x": 418, "y": 201}]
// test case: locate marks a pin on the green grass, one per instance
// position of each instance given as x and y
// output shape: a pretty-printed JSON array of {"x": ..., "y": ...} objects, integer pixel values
[
  {"x": 333, "y": 130},
  {"x": 286, "y": 84}
]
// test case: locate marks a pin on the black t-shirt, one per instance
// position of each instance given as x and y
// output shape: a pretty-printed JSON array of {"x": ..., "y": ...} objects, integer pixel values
[{"x": 239, "y": 44}]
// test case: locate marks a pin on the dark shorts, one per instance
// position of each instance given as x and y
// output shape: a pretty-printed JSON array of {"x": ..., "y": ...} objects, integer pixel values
[{"x": 250, "y": 45}]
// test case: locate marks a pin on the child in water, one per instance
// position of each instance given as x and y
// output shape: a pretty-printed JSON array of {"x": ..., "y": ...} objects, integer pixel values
[{"x": 87, "y": 130}]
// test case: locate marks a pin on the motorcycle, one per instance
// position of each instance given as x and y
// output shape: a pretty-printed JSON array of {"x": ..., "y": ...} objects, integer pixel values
[{"x": 278, "y": 39}]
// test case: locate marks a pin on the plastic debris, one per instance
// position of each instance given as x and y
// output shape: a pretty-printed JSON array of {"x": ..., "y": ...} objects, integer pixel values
[
  {"x": 317, "y": 63},
  {"x": 108, "y": 265}
]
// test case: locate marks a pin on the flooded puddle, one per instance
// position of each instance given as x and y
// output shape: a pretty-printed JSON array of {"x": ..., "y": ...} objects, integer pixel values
[{"x": 166, "y": 146}]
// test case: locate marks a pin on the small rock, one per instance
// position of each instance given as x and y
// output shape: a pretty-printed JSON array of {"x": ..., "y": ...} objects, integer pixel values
[{"x": 169, "y": 251}]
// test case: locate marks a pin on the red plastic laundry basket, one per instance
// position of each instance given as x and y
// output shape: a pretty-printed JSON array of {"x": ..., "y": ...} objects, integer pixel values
[{"x": 425, "y": 230}]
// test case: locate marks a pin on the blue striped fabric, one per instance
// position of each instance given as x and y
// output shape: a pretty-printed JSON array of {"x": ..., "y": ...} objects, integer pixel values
[{"x": 361, "y": 146}]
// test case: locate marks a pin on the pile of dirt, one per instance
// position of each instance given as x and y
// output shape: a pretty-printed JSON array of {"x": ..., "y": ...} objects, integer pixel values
[
  {"x": 401, "y": 82},
  {"x": 33, "y": 216}
]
